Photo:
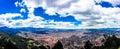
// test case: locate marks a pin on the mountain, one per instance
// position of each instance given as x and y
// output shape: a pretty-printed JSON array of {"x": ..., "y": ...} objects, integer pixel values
[
  {"x": 33, "y": 30},
  {"x": 18, "y": 30},
  {"x": 10, "y": 41},
  {"x": 46, "y": 30}
]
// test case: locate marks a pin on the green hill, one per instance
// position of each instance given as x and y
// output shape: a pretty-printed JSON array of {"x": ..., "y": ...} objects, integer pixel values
[{"x": 10, "y": 41}]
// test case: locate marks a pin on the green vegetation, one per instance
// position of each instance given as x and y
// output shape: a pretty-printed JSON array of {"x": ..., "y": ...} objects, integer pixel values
[
  {"x": 110, "y": 42},
  {"x": 9, "y": 41},
  {"x": 88, "y": 45}
]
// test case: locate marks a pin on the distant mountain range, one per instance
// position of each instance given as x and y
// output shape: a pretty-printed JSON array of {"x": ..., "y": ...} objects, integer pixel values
[
  {"x": 33, "y": 30},
  {"x": 45, "y": 30}
]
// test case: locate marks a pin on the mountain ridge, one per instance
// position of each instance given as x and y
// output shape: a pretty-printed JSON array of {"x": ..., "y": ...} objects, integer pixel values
[{"x": 44, "y": 30}]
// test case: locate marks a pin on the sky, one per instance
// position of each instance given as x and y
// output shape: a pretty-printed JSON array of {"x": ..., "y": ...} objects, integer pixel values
[{"x": 60, "y": 14}]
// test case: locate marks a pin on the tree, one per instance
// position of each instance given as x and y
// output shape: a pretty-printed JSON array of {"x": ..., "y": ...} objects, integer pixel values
[
  {"x": 58, "y": 45},
  {"x": 34, "y": 47},
  {"x": 10, "y": 45},
  {"x": 48, "y": 46},
  {"x": 88, "y": 45},
  {"x": 42, "y": 47}
]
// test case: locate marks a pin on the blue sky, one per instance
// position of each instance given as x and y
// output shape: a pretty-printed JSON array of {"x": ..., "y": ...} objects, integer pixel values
[{"x": 68, "y": 14}]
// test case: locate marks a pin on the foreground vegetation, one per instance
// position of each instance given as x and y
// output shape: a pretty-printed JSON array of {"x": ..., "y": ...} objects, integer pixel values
[
  {"x": 110, "y": 42},
  {"x": 10, "y": 41}
]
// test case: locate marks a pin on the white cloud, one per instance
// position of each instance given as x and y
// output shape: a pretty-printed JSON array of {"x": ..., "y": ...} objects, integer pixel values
[
  {"x": 4, "y": 18},
  {"x": 113, "y": 2},
  {"x": 22, "y": 10},
  {"x": 32, "y": 21},
  {"x": 91, "y": 15},
  {"x": 3, "y": 23},
  {"x": 9, "y": 16}
]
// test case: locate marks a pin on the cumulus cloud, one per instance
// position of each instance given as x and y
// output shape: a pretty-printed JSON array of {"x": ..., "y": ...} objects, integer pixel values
[
  {"x": 8, "y": 16},
  {"x": 32, "y": 21},
  {"x": 91, "y": 15},
  {"x": 5, "y": 18},
  {"x": 22, "y": 10},
  {"x": 113, "y": 2}
]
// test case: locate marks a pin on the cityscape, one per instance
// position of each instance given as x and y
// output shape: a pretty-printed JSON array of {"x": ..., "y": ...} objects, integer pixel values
[{"x": 59, "y": 24}]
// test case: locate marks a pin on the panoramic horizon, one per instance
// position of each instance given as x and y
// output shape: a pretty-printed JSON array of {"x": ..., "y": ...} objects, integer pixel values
[
  {"x": 59, "y": 24},
  {"x": 58, "y": 14}
]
